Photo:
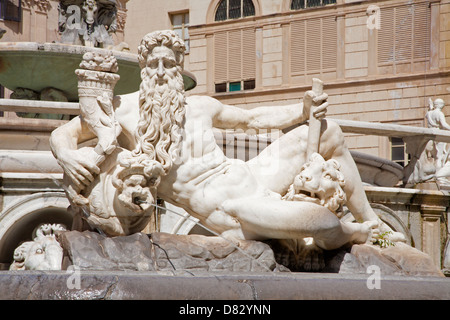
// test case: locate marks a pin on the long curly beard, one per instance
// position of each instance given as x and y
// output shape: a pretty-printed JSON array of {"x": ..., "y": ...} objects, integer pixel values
[{"x": 160, "y": 128}]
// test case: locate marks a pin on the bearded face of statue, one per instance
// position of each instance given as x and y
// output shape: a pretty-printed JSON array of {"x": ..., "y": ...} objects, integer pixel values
[
  {"x": 161, "y": 100},
  {"x": 121, "y": 197},
  {"x": 162, "y": 69}
]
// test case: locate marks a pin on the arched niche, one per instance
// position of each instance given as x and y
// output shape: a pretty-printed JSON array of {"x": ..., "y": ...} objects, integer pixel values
[{"x": 19, "y": 220}]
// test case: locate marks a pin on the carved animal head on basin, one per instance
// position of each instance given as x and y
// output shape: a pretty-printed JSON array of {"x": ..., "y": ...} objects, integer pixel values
[
  {"x": 119, "y": 200},
  {"x": 43, "y": 253},
  {"x": 321, "y": 182}
]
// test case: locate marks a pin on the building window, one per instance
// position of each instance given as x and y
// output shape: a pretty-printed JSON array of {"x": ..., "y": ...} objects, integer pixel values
[
  {"x": 249, "y": 84},
  {"x": 235, "y": 86},
  {"x": 11, "y": 10},
  {"x": 234, "y": 9},
  {"x": 302, "y": 4},
  {"x": 221, "y": 87},
  {"x": 313, "y": 48},
  {"x": 180, "y": 24},
  {"x": 398, "y": 152},
  {"x": 404, "y": 35},
  {"x": 234, "y": 60}
]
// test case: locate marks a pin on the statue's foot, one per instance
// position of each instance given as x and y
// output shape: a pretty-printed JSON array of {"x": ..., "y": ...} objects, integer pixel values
[
  {"x": 365, "y": 232},
  {"x": 234, "y": 236},
  {"x": 388, "y": 234}
]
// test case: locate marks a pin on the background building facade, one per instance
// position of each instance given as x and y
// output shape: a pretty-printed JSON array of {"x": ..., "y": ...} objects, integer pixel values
[{"x": 380, "y": 60}]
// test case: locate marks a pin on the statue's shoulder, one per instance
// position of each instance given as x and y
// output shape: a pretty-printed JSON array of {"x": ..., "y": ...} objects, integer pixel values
[
  {"x": 206, "y": 103},
  {"x": 200, "y": 99},
  {"x": 126, "y": 100},
  {"x": 126, "y": 103},
  {"x": 126, "y": 107}
]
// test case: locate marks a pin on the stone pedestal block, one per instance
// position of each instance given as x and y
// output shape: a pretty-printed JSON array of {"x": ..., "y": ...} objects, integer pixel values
[
  {"x": 159, "y": 251},
  {"x": 165, "y": 252}
]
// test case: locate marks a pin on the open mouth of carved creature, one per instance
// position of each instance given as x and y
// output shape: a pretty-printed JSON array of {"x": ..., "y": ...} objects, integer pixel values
[
  {"x": 141, "y": 201},
  {"x": 307, "y": 193}
]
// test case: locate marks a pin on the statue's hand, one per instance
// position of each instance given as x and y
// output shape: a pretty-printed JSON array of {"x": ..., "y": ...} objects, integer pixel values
[
  {"x": 80, "y": 165},
  {"x": 317, "y": 102}
]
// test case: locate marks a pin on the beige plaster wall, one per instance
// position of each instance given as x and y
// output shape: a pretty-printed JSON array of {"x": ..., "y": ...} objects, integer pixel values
[
  {"x": 361, "y": 90},
  {"x": 39, "y": 23}
]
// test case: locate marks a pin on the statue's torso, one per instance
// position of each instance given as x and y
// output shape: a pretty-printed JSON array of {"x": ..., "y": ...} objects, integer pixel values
[{"x": 203, "y": 177}]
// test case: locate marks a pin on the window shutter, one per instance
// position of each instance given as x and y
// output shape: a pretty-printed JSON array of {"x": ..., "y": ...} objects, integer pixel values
[
  {"x": 220, "y": 57},
  {"x": 313, "y": 45},
  {"x": 248, "y": 54},
  {"x": 404, "y": 34},
  {"x": 329, "y": 43},
  {"x": 422, "y": 31},
  {"x": 386, "y": 36},
  {"x": 298, "y": 52},
  {"x": 234, "y": 55}
]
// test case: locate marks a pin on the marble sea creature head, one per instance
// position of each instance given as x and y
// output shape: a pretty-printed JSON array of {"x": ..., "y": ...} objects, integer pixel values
[
  {"x": 321, "y": 182},
  {"x": 43, "y": 253},
  {"x": 122, "y": 194}
]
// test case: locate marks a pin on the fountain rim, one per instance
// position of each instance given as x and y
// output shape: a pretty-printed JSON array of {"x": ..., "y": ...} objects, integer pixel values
[{"x": 77, "y": 50}]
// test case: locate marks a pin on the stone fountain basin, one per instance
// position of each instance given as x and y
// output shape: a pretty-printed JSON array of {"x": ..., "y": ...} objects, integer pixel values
[
  {"x": 37, "y": 66},
  {"x": 377, "y": 171}
]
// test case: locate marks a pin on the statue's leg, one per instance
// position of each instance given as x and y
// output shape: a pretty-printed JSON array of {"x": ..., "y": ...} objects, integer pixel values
[
  {"x": 332, "y": 146},
  {"x": 277, "y": 165},
  {"x": 270, "y": 218}
]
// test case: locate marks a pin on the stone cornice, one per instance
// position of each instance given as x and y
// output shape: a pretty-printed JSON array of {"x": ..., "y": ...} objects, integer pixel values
[
  {"x": 40, "y": 5},
  {"x": 121, "y": 19}
]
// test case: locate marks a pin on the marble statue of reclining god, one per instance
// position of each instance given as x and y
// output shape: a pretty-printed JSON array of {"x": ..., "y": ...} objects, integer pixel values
[{"x": 165, "y": 147}]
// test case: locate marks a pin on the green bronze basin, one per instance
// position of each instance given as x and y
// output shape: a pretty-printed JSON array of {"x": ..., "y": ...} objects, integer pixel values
[{"x": 37, "y": 66}]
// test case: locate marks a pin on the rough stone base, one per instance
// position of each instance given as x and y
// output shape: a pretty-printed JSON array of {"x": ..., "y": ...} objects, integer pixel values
[
  {"x": 124, "y": 285},
  {"x": 165, "y": 252},
  {"x": 168, "y": 252}
]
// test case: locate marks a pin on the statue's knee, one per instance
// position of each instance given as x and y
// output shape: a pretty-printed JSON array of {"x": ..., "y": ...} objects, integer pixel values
[
  {"x": 228, "y": 207},
  {"x": 333, "y": 134},
  {"x": 300, "y": 133}
]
